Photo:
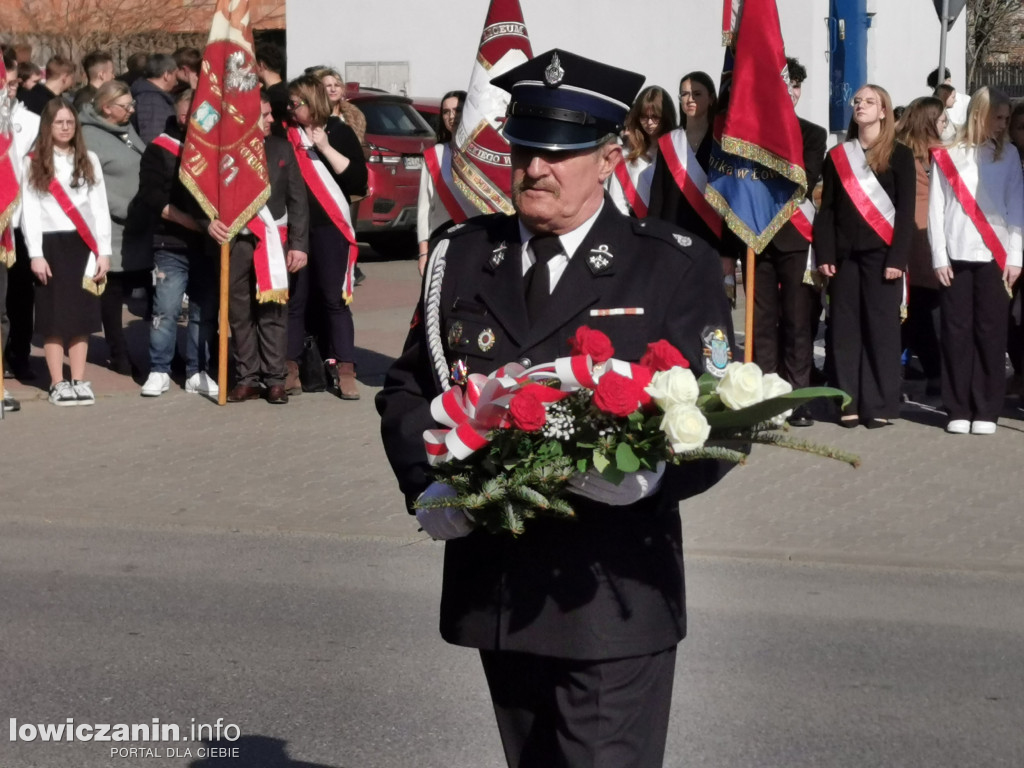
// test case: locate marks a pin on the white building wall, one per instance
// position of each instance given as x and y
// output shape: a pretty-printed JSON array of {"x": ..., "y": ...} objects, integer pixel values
[{"x": 440, "y": 39}]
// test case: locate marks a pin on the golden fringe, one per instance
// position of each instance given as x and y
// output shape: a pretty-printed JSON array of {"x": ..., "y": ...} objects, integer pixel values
[
  {"x": 7, "y": 215},
  {"x": 90, "y": 285},
  {"x": 726, "y": 39},
  {"x": 793, "y": 172},
  {"x": 276, "y": 295},
  {"x": 211, "y": 210},
  {"x": 8, "y": 257},
  {"x": 757, "y": 241}
]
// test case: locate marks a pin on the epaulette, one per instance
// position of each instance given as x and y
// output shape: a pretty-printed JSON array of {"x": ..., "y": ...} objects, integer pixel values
[
  {"x": 475, "y": 224},
  {"x": 662, "y": 230}
]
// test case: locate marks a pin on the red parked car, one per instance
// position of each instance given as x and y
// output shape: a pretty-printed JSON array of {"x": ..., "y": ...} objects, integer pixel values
[{"x": 396, "y": 137}]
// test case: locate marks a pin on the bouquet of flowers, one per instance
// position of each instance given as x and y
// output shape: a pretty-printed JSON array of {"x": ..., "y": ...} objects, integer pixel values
[{"x": 513, "y": 440}]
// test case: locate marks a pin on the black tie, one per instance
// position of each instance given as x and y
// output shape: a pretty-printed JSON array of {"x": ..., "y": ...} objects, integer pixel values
[{"x": 538, "y": 278}]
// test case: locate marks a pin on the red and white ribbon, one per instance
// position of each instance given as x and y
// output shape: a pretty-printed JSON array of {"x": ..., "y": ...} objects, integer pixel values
[
  {"x": 438, "y": 160},
  {"x": 689, "y": 176},
  {"x": 638, "y": 194},
  {"x": 864, "y": 189},
  {"x": 469, "y": 415}
]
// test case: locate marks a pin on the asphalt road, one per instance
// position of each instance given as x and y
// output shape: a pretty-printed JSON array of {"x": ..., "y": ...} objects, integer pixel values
[{"x": 323, "y": 650}]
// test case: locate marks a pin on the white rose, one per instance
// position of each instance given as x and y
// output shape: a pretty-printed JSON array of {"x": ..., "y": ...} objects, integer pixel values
[
  {"x": 741, "y": 386},
  {"x": 776, "y": 386},
  {"x": 676, "y": 386},
  {"x": 685, "y": 427}
]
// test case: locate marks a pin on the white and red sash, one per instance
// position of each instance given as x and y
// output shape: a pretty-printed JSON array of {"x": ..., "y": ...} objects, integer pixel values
[
  {"x": 84, "y": 226},
  {"x": 637, "y": 195},
  {"x": 327, "y": 192},
  {"x": 864, "y": 189},
  {"x": 440, "y": 170},
  {"x": 962, "y": 178},
  {"x": 268, "y": 257},
  {"x": 689, "y": 176}
]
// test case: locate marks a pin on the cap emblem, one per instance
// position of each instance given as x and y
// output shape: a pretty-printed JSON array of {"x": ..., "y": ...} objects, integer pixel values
[{"x": 554, "y": 74}]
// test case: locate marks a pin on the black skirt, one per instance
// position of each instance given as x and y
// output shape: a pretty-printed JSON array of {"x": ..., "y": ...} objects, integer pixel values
[{"x": 63, "y": 307}]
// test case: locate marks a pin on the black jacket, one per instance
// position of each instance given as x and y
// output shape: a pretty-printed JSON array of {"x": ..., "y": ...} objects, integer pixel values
[
  {"x": 609, "y": 584},
  {"x": 353, "y": 181},
  {"x": 839, "y": 228},
  {"x": 159, "y": 186},
  {"x": 153, "y": 106},
  {"x": 815, "y": 137},
  {"x": 288, "y": 192}
]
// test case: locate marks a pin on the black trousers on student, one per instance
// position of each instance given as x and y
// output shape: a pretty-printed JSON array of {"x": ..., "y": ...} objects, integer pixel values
[
  {"x": 560, "y": 713},
  {"x": 20, "y": 306},
  {"x": 921, "y": 331},
  {"x": 974, "y": 310},
  {"x": 865, "y": 325},
  {"x": 782, "y": 316}
]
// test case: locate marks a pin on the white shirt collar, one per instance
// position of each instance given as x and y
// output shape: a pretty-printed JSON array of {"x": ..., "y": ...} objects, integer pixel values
[{"x": 570, "y": 241}]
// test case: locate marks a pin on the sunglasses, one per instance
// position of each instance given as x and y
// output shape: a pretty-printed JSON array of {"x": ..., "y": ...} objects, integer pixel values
[{"x": 293, "y": 105}]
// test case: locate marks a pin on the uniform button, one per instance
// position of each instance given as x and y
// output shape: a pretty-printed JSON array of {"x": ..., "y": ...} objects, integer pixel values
[{"x": 525, "y": 362}]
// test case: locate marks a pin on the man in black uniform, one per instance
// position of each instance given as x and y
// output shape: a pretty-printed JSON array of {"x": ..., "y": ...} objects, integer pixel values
[
  {"x": 576, "y": 622},
  {"x": 783, "y": 304}
]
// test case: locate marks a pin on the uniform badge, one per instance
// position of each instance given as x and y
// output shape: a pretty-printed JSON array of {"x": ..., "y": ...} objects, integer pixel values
[
  {"x": 455, "y": 335},
  {"x": 498, "y": 255},
  {"x": 716, "y": 351},
  {"x": 454, "y": 228},
  {"x": 459, "y": 372},
  {"x": 554, "y": 74},
  {"x": 683, "y": 240},
  {"x": 600, "y": 259},
  {"x": 486, "y": 340}
]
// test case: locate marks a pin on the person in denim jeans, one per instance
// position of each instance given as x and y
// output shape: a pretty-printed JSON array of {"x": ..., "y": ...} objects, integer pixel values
[{"x": 181, "y": 264}]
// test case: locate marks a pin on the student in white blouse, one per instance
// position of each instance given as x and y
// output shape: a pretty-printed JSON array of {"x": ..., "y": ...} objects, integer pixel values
[
  {"x": 431, "y": 212},
  {"x": 974, "y": 296},
  {"x": 652, "y": 116},
  {"x": 69, "y": 272}
]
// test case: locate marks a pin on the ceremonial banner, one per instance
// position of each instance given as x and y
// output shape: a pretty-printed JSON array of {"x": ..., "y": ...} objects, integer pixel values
[
  {"x": 756, "y": 177},
  {"x": 8, "y": 175},
  {"x": 224, "y": 163},
  {"x": 482, "y": 165}
]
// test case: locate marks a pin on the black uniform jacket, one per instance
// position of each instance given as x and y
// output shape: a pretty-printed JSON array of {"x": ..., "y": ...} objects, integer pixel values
[
  {"x": 815, "y": 137},
  {"x": 839, "y": 228},
  {"x": 609, "y": 584}
]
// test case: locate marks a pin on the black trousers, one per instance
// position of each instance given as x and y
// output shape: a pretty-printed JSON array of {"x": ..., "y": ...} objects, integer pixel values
[
  {"x": 20, "y": 305},
  {"x": 974, "y": 310},
  {"x": 325, "y": 275},
  {"x": 559, "y": 713},
  {"x": 259, "y": 331},
  {"x": 865, "y": 326},
  {"x": 782, "y": 309},
  {"x": 1015, "y": 329},
  {"x": 921, "y": 331},
  {"x": 119, "y": 286}
]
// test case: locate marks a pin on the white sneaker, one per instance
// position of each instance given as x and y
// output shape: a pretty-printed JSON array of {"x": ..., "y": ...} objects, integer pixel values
[
  {"x": 958, "y": 427},
  {"x": 156, "y": 384},
  {"x": 983, "y": 427},
  {"x": 62, "y": 393},
  {"x": 83, "y": 392},
  {"x": 202, "y": 383}
]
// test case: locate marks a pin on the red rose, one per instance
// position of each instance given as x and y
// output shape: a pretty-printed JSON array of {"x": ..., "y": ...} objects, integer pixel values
[
  {"x": 660, "y": 356},
  {"x": 587, "y": 341},
  {"x": 616, "y": 394},
  {"x": 527, "y": 411},
  {"x": 642, "y": 377}
]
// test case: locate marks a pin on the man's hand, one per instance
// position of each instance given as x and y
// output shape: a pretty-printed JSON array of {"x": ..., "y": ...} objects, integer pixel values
[
  {"x": 945, "y": 275},
  {"x": 891, "y": 273},
  {"x": 828, "y": 270},
  {"x": 41, "y": 270},
  {"x": 635, "y": 486},
  {"x": 443, "y": 523},
  {"x": 319, "y": 138},
  {"x": 295, "y": 260},
  {"x": 219, "y": 231}
]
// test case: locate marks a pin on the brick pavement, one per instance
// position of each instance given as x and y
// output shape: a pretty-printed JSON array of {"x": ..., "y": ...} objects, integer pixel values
[{"x": 316, "y": 465}]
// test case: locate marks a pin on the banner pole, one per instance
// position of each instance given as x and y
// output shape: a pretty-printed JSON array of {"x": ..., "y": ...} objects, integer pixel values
[
  {"x": 748, "y": 306},
  {"x": 222, "y": 355}
]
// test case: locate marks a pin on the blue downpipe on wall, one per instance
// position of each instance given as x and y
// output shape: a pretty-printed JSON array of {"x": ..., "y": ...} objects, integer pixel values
[{"x": 848, "y": 23}]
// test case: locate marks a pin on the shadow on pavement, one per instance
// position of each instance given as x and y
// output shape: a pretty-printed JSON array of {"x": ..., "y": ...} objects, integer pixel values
[
  {"x": 253, "y": 752},
  {"x": 371, "y": 366}
]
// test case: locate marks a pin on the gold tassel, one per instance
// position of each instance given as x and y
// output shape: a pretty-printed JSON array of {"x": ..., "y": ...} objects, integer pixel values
[
  {"x": 277, "y": 296},
  {"x": 96, "y": 289},
  {"x": 8, "y": 257}
]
